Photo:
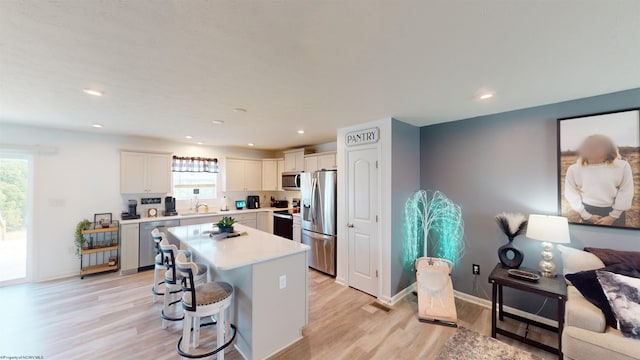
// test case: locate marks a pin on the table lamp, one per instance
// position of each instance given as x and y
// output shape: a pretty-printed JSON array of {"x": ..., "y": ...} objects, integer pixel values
[{"x": 549, "y": 230}]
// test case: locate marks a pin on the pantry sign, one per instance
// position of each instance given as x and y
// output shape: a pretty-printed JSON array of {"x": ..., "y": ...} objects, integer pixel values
[{"x": 362, "y": 137}]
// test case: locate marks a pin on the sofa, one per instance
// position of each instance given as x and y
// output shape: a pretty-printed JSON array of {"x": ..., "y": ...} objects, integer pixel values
[{"x": 586, "y": 335}]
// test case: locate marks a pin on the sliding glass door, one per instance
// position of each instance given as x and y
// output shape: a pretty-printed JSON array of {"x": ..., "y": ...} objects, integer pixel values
[{"x": 15, "y": 218}]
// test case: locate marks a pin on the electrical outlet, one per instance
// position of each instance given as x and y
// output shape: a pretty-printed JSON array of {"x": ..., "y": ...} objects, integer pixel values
[
  {"x": 283, "y": 281},
  {"x": 475, "y": 269}
]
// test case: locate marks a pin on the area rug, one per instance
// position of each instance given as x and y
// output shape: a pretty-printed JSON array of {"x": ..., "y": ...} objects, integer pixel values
[{"x": 469, "y": 345}]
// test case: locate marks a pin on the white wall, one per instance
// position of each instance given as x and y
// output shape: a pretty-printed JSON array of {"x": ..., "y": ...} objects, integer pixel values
[{"x": 80, "y": 178}]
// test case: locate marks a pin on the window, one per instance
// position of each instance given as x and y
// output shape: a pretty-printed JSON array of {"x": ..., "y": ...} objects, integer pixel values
[{"x": 184, "y": 184}]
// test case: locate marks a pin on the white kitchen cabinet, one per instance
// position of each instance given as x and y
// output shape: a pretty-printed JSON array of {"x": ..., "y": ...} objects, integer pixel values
[
  {"x": 294, "y": 160},
  {"x": 280, "y": 171},
  {"x": 327, "y": 161},
  {"x": 142, "y": 173},
  {"x": 270, "y": 175},
  {"x": 253, "y": 175},
  {"x": 297, "y": 229},
  {"x": 200, "y": 220},
  {"x": 250, "y": 223},
  {"x": 310, "y": 163},
  {"x": 243, "y": 175},
  {"x": 130, "y": 239},
  {"x": 265, "y": 222},
  {"x": 320, "y": 161},
  {"x": 249, "y": 219}
]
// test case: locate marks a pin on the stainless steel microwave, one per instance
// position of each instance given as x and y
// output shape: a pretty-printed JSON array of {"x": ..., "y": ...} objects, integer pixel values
[{"x": 291, "y": 181}]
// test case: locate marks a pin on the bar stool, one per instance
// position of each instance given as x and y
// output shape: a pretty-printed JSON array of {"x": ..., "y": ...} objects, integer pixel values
[
  {"x": 172, "y": 279},
  {"x": 212, "y": 299},
  {"x": 160, "y": 266}
]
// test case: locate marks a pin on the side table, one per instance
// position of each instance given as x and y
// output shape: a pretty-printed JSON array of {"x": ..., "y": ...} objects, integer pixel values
[{"x": 553, "y": 288}]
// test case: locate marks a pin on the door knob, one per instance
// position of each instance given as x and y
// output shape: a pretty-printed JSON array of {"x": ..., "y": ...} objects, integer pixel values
[{"x": 350, "y": 225}]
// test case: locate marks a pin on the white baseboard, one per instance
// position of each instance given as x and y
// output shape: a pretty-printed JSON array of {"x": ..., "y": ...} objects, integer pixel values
[
  {"x": 487, "y": 304},
  {"x": 399, "y": 296}
]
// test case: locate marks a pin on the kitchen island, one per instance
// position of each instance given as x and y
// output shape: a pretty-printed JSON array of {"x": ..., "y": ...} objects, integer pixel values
[{"x": 269, "y": 276}]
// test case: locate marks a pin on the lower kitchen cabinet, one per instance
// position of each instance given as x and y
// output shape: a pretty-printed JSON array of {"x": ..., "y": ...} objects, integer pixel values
[
  {"x": 297, "y": 229},
  {"x": 200, "y": 220},
  {"x": 129, "y": 238},
  {"x": 265, "y": 222},
  {"x": 250, "y": 219}
]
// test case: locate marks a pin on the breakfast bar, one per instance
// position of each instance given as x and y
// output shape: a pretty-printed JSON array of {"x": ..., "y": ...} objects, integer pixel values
[{"x": 269, "y": 276}]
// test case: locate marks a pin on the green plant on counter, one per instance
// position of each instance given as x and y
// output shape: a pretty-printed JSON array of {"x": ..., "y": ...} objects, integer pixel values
[
  {"x": 226, "y": 221},
  {"x": 79, "y": 240}
]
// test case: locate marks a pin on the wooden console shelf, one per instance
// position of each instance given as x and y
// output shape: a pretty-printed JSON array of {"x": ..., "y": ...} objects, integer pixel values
[
  {"x": 103, "y": 245},
  {"x": 93, "y": 269},
  {"x": 92, "y": 251}
]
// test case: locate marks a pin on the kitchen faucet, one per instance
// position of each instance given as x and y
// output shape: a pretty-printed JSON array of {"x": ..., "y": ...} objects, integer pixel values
[{"x": 199, "y": 205}]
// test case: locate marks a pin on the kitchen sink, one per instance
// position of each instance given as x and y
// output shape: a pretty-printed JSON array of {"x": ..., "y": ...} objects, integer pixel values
[{"x": 190, "y": 213}]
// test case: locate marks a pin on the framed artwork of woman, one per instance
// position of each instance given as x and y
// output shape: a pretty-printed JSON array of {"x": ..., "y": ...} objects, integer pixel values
[{"x": 599, "y": 169}]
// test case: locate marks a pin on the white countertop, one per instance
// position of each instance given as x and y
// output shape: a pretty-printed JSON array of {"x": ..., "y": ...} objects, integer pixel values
[
  {"x": 201, "y": 214},
  {"x": 227, "y": 254}
]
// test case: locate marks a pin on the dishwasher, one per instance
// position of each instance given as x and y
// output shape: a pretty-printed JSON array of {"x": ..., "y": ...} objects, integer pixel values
[{"x": 147, "y": 248}]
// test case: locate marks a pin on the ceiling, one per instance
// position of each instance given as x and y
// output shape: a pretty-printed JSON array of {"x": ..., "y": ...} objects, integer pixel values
[{"x": 169, "y": 68}]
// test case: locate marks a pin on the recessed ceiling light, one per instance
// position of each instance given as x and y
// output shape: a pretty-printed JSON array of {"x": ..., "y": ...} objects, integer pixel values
[
  {"x": 188, "y": 137},
  {"x": 300, "y": 131},
  {"x": 251, "y": 144},
  {"x": 240, "y": 110},
  {"x": 486, "y": 96},
  {"x": 97, "y": 126},
  {"x": 93, "y": 92},
  {"x": 218, "y": 122},
  {"x": 200, "y": 143}
]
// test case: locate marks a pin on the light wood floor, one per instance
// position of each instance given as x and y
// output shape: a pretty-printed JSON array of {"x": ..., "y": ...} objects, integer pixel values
[{"x": 112, "y": 317}]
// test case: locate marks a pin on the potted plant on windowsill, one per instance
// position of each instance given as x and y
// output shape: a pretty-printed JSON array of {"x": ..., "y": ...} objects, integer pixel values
[
  {"x": 79, "y": 241},
  {"x": 225, "y": 225}
]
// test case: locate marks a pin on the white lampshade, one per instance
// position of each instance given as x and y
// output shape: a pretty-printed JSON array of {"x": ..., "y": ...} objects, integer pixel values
[{"x": 548, "y": 228}]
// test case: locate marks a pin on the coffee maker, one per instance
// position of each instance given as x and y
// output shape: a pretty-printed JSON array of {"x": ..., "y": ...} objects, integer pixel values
[
  {"x": 170, "y": 206},
  {"x": 133, "y": 211}
]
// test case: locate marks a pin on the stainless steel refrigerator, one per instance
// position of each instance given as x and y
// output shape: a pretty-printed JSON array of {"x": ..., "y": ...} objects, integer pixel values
[{"x": 318, "y": 190}]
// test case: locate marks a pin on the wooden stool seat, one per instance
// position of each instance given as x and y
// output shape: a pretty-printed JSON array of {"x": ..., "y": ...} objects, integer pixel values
[{"x": 209, "y": 293}]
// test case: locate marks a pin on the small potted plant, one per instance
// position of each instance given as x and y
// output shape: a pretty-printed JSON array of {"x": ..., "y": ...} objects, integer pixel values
[
  {"x": 225, "y": 225},
  {"x": 79, "y": 241}
]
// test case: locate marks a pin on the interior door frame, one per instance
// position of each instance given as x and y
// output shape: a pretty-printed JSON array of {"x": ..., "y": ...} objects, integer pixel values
[
  {"x": 345, "y": 178},
  {"x": 30, "y": 269}
]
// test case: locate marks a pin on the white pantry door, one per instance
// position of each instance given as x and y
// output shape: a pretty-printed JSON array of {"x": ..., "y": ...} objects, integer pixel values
[{"x": 364, "y": 239}]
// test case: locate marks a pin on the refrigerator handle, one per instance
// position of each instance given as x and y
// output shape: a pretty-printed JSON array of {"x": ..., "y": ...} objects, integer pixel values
[{"x": 314, "y": 189}]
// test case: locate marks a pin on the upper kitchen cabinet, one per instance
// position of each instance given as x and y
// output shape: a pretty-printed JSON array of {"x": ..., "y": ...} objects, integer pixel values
[
  {"x": 280, "y": 171},
  {"x": 327, "y": 161},
  {"x": 320, "y": 161},
  {"x": 270, "y": 175},
  {"x": 142, "y": 173},
  {"x": 310, "y": 163},
  {"x": 294, "y": 160},
  {"x": 243, "y": 175}
]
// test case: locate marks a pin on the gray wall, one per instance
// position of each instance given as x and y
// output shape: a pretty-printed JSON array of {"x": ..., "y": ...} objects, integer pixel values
[
  {"x": 507, "y": 162},
  {"x": 405, "y": 180}
]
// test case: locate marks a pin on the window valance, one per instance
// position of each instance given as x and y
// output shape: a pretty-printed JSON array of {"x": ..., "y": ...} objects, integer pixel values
[{"x": 194, "y": 164}]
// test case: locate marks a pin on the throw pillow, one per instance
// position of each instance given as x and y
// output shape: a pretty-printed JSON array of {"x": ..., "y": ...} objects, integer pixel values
[
  {"x": 575, "y": 260},
  {"x": 610, "y": 256},
  {"x": 587, "y": 283},
  {"x": 623, "y": 293}
]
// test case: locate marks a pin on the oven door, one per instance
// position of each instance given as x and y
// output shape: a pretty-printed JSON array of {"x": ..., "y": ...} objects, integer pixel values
[{"x": 283, "y": 225}]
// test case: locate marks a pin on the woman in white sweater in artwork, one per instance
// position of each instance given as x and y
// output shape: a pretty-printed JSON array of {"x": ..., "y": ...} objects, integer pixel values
[{"x": 599, "y": 186}]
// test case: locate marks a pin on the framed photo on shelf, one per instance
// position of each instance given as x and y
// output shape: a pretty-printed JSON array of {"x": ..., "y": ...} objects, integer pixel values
[
  {"x": 599, "y": 169},
  {"x": 103, "y": 219}
]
